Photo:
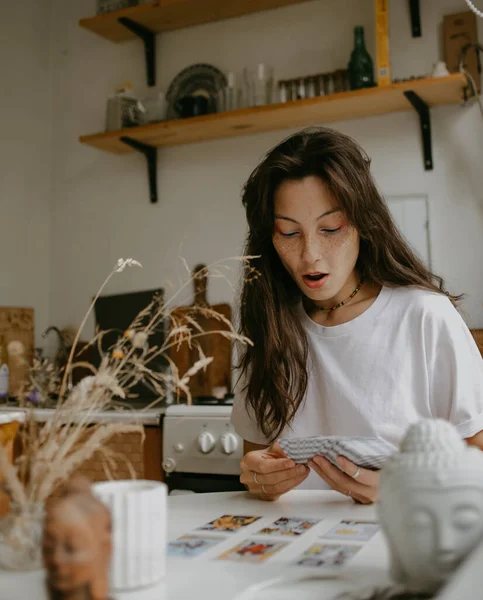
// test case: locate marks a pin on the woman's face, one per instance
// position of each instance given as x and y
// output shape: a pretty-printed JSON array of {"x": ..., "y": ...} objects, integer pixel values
[{"x": 314, "y": 240}]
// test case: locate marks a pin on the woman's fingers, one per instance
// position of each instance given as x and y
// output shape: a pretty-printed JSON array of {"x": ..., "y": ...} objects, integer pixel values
[
  {"x": 318, "y": 464},
  {"x": 270, "y": 473},
  {"x": 275, "y": 483},
  {"x": 364, "y": 476},
  {"x": 364, "y": 488},
  {"x": 273, "y": 477},
  {"x": 261, "y": 462},
  {"x": 333, "y": 484},
  {"x": 274, "y": 491}
]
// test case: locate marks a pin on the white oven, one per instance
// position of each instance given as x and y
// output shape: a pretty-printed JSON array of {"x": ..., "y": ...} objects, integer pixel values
[{"x": 201, "y": 450}]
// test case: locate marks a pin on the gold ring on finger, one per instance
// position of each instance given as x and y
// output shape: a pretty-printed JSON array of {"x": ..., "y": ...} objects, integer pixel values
[
  {"x": 255, "y": 478},
  {"x": 357, "y": 473}
]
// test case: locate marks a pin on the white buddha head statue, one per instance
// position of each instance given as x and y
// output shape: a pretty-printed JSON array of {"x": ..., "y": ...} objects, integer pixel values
[{"x": 431, "y": 504}]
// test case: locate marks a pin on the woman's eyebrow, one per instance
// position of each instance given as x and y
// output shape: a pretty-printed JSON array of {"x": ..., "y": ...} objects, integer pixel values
[{"x": 329, "y": 212}]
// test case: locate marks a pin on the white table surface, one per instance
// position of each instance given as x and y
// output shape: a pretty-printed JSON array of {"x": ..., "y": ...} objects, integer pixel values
[{"x": 204, "y": 577}]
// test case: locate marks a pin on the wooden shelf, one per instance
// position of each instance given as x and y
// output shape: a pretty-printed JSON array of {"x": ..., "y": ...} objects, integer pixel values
[
  {"x": 300, "y": 113},
  {"x": 167, "y": 15}
]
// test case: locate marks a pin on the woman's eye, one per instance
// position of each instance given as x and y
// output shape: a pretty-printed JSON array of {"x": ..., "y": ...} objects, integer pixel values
[
  {"x": 288, "y": 235},
  {"x": 331, "y": 230}
]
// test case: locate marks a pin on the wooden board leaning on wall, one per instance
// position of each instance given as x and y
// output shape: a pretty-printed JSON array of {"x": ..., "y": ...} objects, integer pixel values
[{"x": 478, "y": 335}]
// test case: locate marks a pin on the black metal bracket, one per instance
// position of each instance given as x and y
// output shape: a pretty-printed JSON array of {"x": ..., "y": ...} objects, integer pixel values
[
  {"x": 149, "y": 39},
  {"x": 415, "y": 17},
  {"x": 151, "y": 154},
  {"x": 425, "y": 122}
]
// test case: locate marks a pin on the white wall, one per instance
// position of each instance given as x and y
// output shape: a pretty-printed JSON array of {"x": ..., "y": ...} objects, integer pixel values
[
  {"x": 101, "y": 209},
  {"x": 25, "y": 157}
]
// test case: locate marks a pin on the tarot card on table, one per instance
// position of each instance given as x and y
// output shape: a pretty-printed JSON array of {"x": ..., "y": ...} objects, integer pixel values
[
  {"x": 354, "y": 531},
  {"x": 189, "y": 546},
  {"x": 253, "y": 551},
  {"x": 229, "y": 523},
  {"x": 327, "y": 555},
  {"x": 293, "y": 526}
]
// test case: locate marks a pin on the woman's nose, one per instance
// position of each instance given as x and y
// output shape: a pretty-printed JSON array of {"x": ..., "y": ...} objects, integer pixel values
[{"x": 310, "y": 250}]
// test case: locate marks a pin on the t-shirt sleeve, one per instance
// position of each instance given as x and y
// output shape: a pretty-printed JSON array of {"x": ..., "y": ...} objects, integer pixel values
[
  {"x": 243, "y": 419},
  {"x": 455, "y": 368}
]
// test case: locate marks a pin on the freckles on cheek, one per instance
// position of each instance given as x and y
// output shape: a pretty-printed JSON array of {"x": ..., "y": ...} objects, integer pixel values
[
  {"x": 285, "y": 251},
  {"x": 280, "y": 243},
  {"x": 347, "y": 236}
]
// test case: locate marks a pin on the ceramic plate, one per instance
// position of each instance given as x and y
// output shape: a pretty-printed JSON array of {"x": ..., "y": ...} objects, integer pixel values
[{"x": 199, "y": 79}]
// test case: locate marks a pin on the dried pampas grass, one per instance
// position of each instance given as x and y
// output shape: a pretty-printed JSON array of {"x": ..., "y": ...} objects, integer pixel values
[{"x": 53, "y": 450}]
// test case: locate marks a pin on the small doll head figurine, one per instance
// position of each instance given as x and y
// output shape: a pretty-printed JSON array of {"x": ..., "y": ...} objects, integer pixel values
[
  {"x": 431, "y": 504},
  {"x": 77, "y": 544}
]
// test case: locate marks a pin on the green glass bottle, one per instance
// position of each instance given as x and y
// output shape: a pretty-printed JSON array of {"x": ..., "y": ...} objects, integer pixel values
[{"x": 361, "y": 67}]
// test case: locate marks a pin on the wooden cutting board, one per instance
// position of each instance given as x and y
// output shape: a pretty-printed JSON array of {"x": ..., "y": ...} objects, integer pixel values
[
  {"x": 17, "y": 325},
  {"x": 218, "y": 373},
  {"x": 478, "y": 335}
]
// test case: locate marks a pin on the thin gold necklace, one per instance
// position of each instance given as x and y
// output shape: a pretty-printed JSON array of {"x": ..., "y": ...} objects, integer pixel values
[{"x": 344, "y": 302}]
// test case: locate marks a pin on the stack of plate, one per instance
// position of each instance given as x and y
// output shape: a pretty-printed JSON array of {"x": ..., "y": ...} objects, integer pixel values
[{"x": 196, "y": 80}]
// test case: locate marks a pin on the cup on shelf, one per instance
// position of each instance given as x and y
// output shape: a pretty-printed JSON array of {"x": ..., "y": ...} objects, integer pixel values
[
  {"x": 283, "y": 91},
  {"x": 229, "y": 97},
  {"x": 155, "y": 108},
  {"x": 310, "y": 87},
  {"x": 248, "y": 89},
  {"x": 258, "y": 86},
  {"x": 263, "y": 85}
]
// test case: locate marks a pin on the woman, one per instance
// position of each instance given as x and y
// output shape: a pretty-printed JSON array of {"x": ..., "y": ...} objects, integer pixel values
[{"x": 352, "y": 334}]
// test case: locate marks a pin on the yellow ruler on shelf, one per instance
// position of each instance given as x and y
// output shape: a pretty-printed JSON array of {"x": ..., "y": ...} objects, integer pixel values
[{"x": 383, "y": 66}]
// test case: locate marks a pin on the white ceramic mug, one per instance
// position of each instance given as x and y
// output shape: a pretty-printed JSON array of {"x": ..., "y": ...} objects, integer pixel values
[{"x": 138, "y": 512}]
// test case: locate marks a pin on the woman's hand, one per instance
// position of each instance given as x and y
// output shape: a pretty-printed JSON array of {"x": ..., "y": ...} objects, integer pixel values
[
  {"x": 269, "y": 473},
  {"x": 362, "y": 485}
]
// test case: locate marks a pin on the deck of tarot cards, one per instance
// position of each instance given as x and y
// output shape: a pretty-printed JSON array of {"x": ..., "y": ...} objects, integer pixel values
[{"x": 366, "y": 452}]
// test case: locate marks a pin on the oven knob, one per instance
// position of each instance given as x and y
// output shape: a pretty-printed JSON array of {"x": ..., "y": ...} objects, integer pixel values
[
  {"x": 169, "y": 465},
  {"x": 229, "y": 443},
  {"x": 206, "y": 442}
]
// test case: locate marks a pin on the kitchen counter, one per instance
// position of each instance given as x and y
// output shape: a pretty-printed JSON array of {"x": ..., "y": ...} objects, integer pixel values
[
  {"x": 143, "y": 453},
  {"x": 135, "y": 415}
]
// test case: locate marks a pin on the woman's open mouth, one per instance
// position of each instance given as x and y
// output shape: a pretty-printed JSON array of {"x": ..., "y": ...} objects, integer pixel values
[{"x": 315, "y": 280}]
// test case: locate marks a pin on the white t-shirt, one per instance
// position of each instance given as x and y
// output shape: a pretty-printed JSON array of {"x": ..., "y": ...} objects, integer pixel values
[{"x": 409, "y": 356}]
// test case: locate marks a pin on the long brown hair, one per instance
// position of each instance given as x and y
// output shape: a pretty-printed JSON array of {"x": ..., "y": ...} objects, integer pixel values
[{"x": 275, "y": 367}]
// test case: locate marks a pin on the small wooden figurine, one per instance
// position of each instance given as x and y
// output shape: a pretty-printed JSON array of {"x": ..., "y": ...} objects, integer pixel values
[{"x": 77, "y": 544}]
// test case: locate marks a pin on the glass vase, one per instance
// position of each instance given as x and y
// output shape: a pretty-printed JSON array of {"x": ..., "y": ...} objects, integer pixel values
[{"x": 21, "y": 537}]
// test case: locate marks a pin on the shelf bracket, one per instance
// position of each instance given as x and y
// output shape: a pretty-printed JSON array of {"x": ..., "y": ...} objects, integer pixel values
[
  {"x": 149, "y": 39},
  {"x": 415, "y": 17},
  {"x": 425, "y": 122},
  {"x": 151, "y": 154}
]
